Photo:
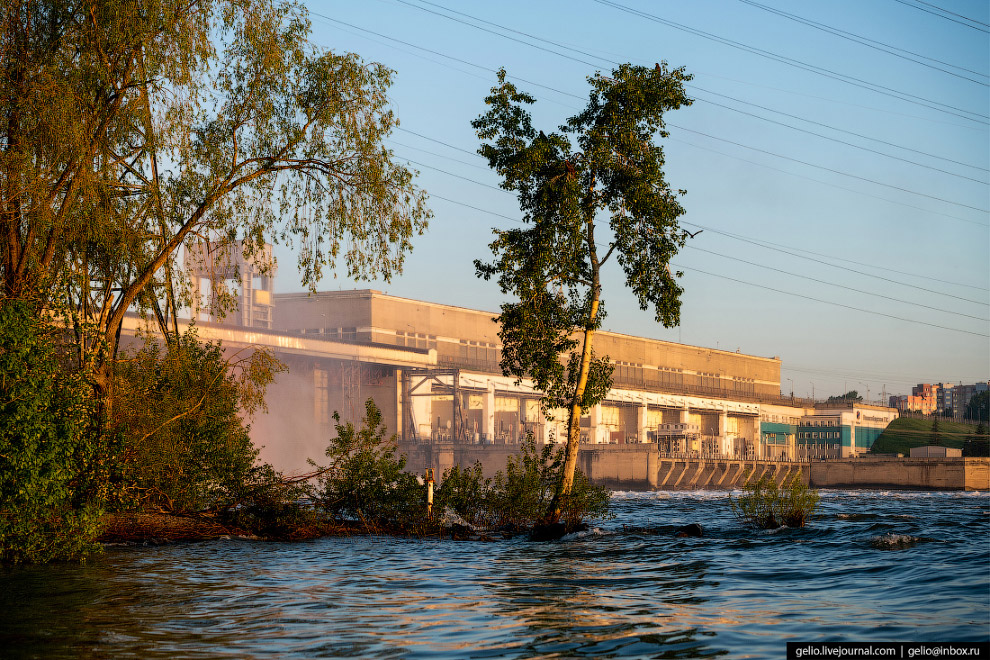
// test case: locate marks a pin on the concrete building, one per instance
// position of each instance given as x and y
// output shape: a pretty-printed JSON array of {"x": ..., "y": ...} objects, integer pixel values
[
  {"x": 223, "y": 278},
  {"x": 691, "y": 400},
  {"x": 434, "y": 372},
  {"x": 962, "y": 394}
]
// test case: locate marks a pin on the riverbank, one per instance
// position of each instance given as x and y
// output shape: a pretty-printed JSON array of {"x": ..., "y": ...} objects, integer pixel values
[{"x": 157, "y": 528}]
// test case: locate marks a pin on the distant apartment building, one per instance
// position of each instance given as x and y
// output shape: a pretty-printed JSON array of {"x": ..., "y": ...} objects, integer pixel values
[
  {"x": 944, "y": 406},
  {"x": 962, "y": 394},
  {"x": 943, "y": 399},
  {"x": 923, "y": 399}
]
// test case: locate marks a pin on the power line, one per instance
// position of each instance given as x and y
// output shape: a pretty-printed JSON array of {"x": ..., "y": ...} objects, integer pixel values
[
  {"x": 869, "y": 43},
  {"x": 848, "y": 144},
  {"x": 905, "y": 96},
  {"x": 765, "y": 245},
  {"x": 834, "y": 171},
  {"x": 750, "y": 263},
  {"x": 713, "y": 137},
  {"x": 478, "y": 27},
  {"x": 840, "y": 286},
  {"x": 943, "y": 9},
  {"x": 840, "y": 130},
  {"x": 778, "y": 248},
  {"x": 948, "y": 18},
  {"x": 824, "y": 183},
  {"x": 827, "y": 73},
  {"x": 829, "y": 302},
  {"x": 432, "y": 153},
  {"x": 446, "y": 144}
]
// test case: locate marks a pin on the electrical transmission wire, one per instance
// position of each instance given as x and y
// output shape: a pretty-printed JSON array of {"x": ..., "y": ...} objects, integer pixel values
[
  {"x": 763, "y": 244},
  {"x": 829, "y": 302},
  {"x": 839, "y": 172},
  {"x": 747, "y": 262},
  {"x": 787, "y": 250},
  {"x": 481, "y": 67},
  {"x": 848, "y": 144},
  {"x": 839, "y": 130},
  {"x": 870, "y": 43},
  {"x": 827, "y": 73},
  {"x": 943, "y": 15},
  {"x": 839, "y": 286},
  {"x": 823, "y": 183}
]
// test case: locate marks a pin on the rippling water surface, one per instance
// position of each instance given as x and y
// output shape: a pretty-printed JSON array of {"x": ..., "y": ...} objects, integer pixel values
[{"x": 872, "y": 566}]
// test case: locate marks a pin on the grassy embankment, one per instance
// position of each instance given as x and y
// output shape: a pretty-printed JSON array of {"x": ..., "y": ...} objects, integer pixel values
[{"x": 906, "y": 432}]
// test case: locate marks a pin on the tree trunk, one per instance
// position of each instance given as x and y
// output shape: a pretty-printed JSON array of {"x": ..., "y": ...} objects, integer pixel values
[{"x": 574, "y": 421}]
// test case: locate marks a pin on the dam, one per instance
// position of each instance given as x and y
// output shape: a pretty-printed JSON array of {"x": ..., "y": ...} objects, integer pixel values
[{"x": 643, "y": 467}]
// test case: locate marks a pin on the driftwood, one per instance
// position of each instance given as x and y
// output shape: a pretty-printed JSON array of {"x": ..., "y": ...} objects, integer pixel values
[{"x": 161, "y": 528}]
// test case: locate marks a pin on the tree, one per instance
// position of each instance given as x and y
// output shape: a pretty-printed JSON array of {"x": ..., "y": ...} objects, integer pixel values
[
  {"x": 936, "y": 432},
  {"x": 366, "y": 480},
  {"x": 132, "y": 128},
  {"x": 978, "y": 408},
  {"x": 851, "y": 395},
  {"x": 602, "y": 160},
  {"x": 977, "y": 444}
]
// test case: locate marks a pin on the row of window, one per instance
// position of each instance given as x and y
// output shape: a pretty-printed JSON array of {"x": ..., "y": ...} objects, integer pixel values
[{"x": 818, "y": 435}]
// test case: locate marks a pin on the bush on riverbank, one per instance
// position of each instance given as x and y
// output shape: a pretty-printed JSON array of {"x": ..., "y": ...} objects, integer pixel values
[
  {"x": 50, "y": 455},
  {"x": 366, "y": 481},
  {"x": 765, "y": 505},
  {"x": 365, "y": 489},
  {"x": 191, "y": 450},
  {"x": 520, "y": 497}
]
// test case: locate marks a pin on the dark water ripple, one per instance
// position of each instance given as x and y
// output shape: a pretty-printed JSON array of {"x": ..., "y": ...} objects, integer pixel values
[{"x": 872, "y": 566}]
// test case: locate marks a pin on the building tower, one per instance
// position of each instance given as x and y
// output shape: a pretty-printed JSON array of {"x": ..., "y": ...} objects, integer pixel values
[{"x": 249, "y": 281}]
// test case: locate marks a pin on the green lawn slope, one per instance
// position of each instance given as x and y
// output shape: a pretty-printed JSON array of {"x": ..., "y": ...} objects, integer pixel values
[{"x": 906, "y": 432}]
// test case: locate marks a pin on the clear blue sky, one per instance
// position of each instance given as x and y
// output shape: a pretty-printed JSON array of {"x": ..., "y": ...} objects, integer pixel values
[{"x": 831, "y": 246}]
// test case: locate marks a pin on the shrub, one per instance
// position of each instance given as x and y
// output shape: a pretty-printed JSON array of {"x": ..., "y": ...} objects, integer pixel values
[
  {"x": 520, "y": 497},
  {"x": 366, "y": 481},
  {"x": 187, "y": 445},
  {"x": 764, "y": 505},
  {"x": 50, "y": 493}
]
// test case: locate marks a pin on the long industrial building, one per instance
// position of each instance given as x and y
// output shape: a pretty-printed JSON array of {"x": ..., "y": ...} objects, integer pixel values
[{"x": 433, "y": 369}]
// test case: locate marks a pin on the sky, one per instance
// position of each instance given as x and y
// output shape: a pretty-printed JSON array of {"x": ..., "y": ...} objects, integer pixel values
[{"x": 835, "y": 159}]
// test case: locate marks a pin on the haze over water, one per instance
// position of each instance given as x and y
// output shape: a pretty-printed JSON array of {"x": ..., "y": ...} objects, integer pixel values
[{"x": 890, "y": 566}]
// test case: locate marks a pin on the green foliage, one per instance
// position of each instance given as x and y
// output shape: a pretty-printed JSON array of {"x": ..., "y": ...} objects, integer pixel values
[
  {"x": 936, "y": 436},
  {"x": 600, "y": 161},
  {"x": 978, "y": 408},
  {"x": 851, "y": 396},
  {"x": 904, "y": 433},
  {"x": 50, "y": 497},
  {"x": 764, "y": 505},
  {"x": 134, "y": 128},
  {"x": 521, "y": 496},
  {"x": 977, "y": 444},
  {"x": 190, "y": 450},
  {"x": 268, "y": 505},
  {"x": 366, "y": 481}
]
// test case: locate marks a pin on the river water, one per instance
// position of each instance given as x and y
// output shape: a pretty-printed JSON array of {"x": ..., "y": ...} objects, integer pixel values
[{"x": 873, "y": 566}]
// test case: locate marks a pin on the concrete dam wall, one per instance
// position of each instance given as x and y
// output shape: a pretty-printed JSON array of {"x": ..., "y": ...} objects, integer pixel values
[{"x": 641, "y": 467}]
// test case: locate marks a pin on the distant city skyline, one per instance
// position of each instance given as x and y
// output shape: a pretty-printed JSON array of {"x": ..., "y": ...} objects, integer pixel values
[{"x": 836, "y": 157}]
